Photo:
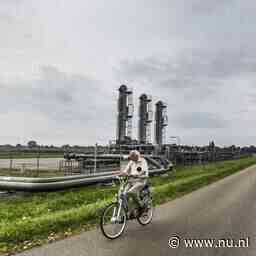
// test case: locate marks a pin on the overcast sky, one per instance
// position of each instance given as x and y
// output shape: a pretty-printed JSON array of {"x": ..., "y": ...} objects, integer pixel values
[{"x": 63, "y": 61}]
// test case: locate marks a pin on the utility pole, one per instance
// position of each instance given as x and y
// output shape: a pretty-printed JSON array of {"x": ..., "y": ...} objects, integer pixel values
[
  {"x": 38, "y": 159},
  {"x": 95, "y": 158}
]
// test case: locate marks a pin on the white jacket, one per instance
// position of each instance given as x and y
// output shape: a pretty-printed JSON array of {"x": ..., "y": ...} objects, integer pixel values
[{"x": 133, "y": 168}]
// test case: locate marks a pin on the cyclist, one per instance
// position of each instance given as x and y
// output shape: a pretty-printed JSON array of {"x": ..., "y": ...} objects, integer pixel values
[{"x": 137, "y": 171}]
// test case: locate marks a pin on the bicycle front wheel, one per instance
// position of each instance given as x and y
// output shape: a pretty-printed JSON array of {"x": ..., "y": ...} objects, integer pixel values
[{"x": 112, "y": 225}]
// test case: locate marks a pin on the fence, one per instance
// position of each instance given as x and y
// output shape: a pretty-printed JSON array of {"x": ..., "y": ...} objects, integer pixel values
[
  {"x": 36, "y": 167},
  {"x": 186, "y": 157}
]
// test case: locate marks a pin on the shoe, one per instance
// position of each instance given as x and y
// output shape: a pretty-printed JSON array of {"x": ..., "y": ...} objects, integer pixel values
[{"x": 132, "y": 215}]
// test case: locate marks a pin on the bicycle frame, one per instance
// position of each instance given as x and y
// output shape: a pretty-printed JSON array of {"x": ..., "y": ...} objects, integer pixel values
[{"x": 121, "y": 198}]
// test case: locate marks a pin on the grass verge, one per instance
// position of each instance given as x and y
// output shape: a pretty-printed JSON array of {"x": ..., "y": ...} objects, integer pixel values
[{"x": 27, "y": 220}]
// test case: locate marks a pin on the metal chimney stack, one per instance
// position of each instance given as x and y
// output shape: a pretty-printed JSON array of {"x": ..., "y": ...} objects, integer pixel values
[
  {"x": 125, "y": 114},
  {"x": 145, "y": 119},
  {"x": 161, "y": 122}
]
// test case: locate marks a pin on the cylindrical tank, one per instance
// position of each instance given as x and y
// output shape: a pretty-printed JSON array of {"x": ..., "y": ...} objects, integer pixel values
[
  {"x": 125, "y": 114},
  {"x": 161, "y": 121},
  {"x": 145, "y": 119}
]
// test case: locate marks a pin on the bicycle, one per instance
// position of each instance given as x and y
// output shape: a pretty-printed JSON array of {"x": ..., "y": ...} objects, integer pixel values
[{"x": 115, "y": 215}]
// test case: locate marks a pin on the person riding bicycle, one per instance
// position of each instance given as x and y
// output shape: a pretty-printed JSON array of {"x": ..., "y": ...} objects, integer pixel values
[
  {"x": 137, "y": 171},
  {"x": 115, "y": 215}
]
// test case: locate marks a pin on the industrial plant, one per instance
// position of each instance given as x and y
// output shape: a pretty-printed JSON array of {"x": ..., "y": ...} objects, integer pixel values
[
  {"x": 156, "y": 119},
  {"x": 147, "y": 119},
  {"x": 99, "y": 164}
]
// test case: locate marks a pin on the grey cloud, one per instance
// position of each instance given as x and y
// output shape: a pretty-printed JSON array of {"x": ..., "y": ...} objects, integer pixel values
[
  {"x": 69, "y": 102},
  {"x": 58, "y": 95},
  {"x": 200, "y": 120},
  {"x": 192, "y": 68},
  {"x": 198, "y": 56}
]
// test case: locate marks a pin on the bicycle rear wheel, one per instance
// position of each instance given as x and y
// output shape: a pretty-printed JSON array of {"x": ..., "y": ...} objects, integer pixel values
[
  {"x": 112, "y": 226},
  {"x": 147, "y": 215}
]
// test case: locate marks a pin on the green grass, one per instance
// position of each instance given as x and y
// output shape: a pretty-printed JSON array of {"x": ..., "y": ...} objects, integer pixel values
[{"x": 27, "y": 219}]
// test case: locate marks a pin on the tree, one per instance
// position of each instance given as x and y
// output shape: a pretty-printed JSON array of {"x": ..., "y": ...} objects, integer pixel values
[{"x": 32, "y": 144}]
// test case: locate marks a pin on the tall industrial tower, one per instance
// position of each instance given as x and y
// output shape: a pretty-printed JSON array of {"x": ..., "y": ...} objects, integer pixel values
[
  {"x": 145, "y": 119},
  {"x": 161, "y": 122},
  {"x": 125, "y": 114}
]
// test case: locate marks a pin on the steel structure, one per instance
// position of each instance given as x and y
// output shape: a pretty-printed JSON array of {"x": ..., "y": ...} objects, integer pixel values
[
  {"x": 157, "y": 166},
  {"x": 161, "y": 122},
  {"x": 145, "y": 119},
  {"x": 125, "y": 114}
]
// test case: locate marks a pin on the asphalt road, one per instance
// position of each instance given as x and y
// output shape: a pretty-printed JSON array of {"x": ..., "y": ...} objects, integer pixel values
[{"x": 223, "y": 210}]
